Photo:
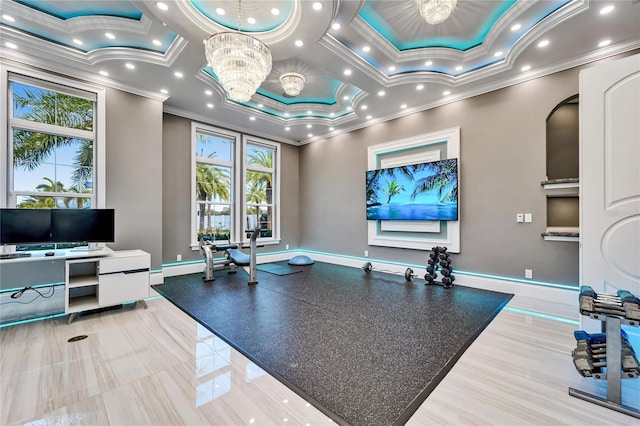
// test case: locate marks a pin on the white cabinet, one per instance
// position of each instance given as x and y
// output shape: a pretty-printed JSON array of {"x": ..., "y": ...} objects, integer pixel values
[{"x": 92, "y": 283}]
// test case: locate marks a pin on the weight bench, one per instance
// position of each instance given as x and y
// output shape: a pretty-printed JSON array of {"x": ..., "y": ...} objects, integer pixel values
[
  {"x": 232, "y": 257},
  {"x": 238, "y": 257}
]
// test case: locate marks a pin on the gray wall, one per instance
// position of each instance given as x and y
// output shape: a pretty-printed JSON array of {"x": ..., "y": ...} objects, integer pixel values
[
  {"x": 176, "y": 154},
  {"x": 134, "y": 172},
  {"x": 502, "y": 164}
]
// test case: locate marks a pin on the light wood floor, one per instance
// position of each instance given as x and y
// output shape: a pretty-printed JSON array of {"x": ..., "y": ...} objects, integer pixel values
[{"x": 157, "y": 366}]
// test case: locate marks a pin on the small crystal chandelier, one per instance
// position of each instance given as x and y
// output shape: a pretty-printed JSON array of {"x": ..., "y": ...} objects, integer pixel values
[
  {"x": 292, "y": 83},
  {"x": 436, "y": 11},
  {"x": 240, "y": 61}
]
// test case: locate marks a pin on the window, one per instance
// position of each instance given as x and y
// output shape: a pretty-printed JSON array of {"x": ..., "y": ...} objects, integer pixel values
[
  {"x": 52, "y": 142},
  {"x": 260, "y": 181},
  {"x": 233, "y": 180},
  {"x": 214, "y": 189}
]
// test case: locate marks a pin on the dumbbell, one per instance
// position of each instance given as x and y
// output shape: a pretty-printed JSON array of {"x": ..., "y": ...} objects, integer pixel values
[
  {"x": 368, "y": 267},
  {"x": 409, "y": 275},
  {"x": 448, "y": 281}
]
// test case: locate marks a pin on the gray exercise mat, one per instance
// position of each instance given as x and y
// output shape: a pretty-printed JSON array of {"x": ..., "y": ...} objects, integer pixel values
[{"x": 274, "y": 268}]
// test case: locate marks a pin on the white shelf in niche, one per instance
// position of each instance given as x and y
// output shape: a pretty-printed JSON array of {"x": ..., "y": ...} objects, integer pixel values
[
  {"x": 565, "y": 183},
  {"x": 571, "y": 234}
]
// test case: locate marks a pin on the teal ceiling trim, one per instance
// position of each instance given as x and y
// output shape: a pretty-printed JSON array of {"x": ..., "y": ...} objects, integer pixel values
[
  {"x": 297, "y": 100},
  {"x": 378, "y": 24},
  {"x": 76, "y": 9},
  {"x": 230, "y": 20}
]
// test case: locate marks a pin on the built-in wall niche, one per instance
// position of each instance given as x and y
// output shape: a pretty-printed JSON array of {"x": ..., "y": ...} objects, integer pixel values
[{"x": 562, "y": 182}]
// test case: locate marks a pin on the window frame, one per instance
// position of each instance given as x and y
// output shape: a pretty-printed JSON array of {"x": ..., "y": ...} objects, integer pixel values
[
  {"x": 238, "y": 184},
  {"x": 37, "y": 78},
  {"x": 275, "y": 189},
  {"x": 197, "y": 128}
]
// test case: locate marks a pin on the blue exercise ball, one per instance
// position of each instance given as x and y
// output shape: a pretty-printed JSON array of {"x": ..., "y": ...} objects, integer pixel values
[{"x": 301, "y": 260}]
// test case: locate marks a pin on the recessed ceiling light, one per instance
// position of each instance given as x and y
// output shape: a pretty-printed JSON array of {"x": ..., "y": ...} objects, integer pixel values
[
  {"x": 446, "y": 93},
  {"x": 209, "y": 105},
  {"x": 366, "y": 49},
  {"x": 420, "y": 87},
  {"x": 220, "y": 11},
  {"x": 525, "y": 68},
  {"x": 381, "y": 93},
  {"x": 11, "y": 45},
  {"x": 309, "y": 112},
  {"x": 299, "y": 43},
  {"x": 8, "y": 18},
  {"x": 392, "y": 68},
  {"x": 287, "y": 128},
  {"x": 130, "y": 66},
  {"x": 459, "y": 68},
  {"x": 369, "y": 117},
  {"x": 252, "y": 118},
  {"x": 428, "y": 63},
  {"x": 286, "y": 114},
  {"x": 498, "y": 54},
  {"x": 604, "y": 43},
  {"x": 157, "y": 42},
  {"x": 275, "y": 11},
  {"x": 331, "y": 129},
  {"x": 364, "y": 107},
  {"x": 104, "y": 73},
  {"x": 543, "y": 43},
  {"x": 347, "y": 71},
  {"x": 310, "y": 135},
  {"x": 109, "y": 36},
  {"x": 403, "y": 106},
  {"x": 208, "y": 92},
  {"x": 349, "y": 108},
  {"x": 251, "y": 20},
  {"x": 332, "y": 114},
  {"x": 607, "y": 9},
  {"x": 309, "y": 126},
  {"x": 335, "y": 26},
  {"x": 260, "y": 105},
  {"x": 516, "y": 27},
  {"x": 317, "y": 6},
  {"x": 162, "y": 6},
  {"x": 164, "y": 91},
  {"x": 178, "y": 74},
  {"x": 345, "y": 97}
]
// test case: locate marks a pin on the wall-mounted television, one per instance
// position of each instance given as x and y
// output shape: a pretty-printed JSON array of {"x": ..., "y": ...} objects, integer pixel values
[
  {"x": 424, "y": 191},
  {"x": 24, "y": 226},
  {"x": 83, "y": 225}
]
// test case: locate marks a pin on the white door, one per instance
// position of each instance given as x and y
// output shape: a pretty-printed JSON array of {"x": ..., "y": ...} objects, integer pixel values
[{"x": 610, "y": 177}]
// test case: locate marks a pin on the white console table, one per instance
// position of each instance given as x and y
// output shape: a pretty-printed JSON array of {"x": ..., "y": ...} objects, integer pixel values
[{"x": 106, "y": 280}]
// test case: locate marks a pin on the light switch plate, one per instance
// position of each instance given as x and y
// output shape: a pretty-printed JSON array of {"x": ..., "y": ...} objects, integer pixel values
[
  {"x": 520, "y": 218},
  {"x": 528, "y": 217}
]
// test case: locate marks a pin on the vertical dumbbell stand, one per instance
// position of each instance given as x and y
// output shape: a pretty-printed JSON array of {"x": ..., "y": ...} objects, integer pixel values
[{"x": 614, "y": 374}]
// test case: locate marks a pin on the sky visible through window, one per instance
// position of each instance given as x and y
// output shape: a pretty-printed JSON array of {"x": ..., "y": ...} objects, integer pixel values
[{"x": 58, "y": 165}]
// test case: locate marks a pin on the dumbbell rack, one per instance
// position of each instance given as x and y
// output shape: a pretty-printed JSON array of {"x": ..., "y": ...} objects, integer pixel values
[{"x": 614, "y": 373}]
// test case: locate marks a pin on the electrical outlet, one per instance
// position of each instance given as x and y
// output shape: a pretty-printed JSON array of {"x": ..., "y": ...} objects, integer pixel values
[
  {"x": 528, "y": 273},
  {"x": 519, "y": 217},
  {"x": 528, "y": 217},
  {"x": 179, "y": 258},
  {"x": 366, "y": 253},
  {"x": 286, "y": 247}
]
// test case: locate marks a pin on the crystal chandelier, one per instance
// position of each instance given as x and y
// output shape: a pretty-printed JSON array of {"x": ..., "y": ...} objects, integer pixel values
[
  {"x": 240, "y": 61},
  {"x": 292, "y": 83},
  {"x": 436, "y": 11}
]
